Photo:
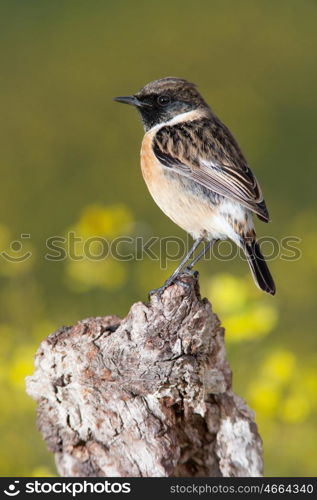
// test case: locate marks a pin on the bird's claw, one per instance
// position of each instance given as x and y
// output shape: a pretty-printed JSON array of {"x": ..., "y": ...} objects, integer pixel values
[
  {"x": 159, "y": 291},
  {"x": 175, "y": 279}
]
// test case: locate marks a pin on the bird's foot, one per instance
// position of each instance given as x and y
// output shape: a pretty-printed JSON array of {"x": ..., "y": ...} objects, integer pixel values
[
  {"x": 174, "y": 279},
  {"x": 159, "y": 291}
]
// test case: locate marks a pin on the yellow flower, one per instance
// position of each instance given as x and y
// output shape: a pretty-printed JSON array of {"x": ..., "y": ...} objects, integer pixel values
[
  {"x": 42, "y": 471},
  {"x": 295, "y": 408},
  {"x": 264, "y": 397},
  {"x": 110, "y": 221},
  {"x": 89, "y": 265},
  {"x": 21, "y": 366},
  {"x": 228, "y": 293},
  {"x": 279, "y": 366},
  {"x": 245, "y": 315},
  {"x": 253, "y": 323},
  {"x": 84, "y": 275}
]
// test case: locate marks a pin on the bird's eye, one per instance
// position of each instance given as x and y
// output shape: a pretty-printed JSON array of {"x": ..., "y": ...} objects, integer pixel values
[{"x": 163, "y": 100}]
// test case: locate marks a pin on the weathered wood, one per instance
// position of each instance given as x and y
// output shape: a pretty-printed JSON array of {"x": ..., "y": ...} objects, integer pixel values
[{"x": 148, "y": 395}]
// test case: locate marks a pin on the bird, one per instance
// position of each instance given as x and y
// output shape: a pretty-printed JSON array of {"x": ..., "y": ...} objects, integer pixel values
[{"x": 198, "y": 175}]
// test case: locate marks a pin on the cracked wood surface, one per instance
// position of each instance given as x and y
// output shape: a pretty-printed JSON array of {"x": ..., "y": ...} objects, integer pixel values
[{"x": 147, "y": 395}]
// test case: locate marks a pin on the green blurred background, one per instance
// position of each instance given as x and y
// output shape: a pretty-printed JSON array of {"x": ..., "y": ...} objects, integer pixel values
[{"x": 70, "y": 160}]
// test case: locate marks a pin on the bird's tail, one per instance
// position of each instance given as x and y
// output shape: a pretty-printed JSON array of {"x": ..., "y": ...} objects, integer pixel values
[{"x": 260, "y": 272}]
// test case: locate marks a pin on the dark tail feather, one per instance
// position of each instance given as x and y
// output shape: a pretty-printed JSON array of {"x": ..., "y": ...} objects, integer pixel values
[{"x": 258, "y": 266}]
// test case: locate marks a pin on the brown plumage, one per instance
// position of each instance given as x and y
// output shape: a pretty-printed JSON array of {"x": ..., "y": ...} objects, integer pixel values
[
  {"x": 196, "y": 172},
  {"x": 187, "y": 147}
]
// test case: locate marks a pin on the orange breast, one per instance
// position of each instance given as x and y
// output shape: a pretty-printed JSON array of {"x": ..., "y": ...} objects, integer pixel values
[
  {"x": 149, "y": 164},
  {"x": 183, "y": 205},
  {"x": 169, "y": 194}
]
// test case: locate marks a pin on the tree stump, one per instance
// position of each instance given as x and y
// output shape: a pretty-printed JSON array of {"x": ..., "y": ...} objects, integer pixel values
[{"x": 148, "y": 395}]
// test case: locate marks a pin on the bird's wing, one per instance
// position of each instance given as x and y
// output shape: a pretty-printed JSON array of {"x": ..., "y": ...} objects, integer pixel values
[{"x": 205, "y": 151}]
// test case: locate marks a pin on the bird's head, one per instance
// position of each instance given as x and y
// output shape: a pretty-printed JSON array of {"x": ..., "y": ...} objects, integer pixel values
[{"x": 164, "y": 99}]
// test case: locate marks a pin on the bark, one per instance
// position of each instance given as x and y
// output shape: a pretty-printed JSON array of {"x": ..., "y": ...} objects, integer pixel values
[{"x": 147, "y": 395}]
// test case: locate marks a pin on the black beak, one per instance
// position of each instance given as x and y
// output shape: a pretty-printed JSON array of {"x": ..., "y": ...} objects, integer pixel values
[{"x": 130, "y": 99}]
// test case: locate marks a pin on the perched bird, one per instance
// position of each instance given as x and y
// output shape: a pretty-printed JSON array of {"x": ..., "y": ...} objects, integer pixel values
[{"x": 197, "y": 174}]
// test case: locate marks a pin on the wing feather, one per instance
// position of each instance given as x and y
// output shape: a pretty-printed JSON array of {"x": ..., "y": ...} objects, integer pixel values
[{"x": 205, "y": 151}]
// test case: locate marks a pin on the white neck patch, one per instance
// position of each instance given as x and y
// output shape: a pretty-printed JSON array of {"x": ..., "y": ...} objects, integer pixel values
[{"x": 182, "y": 117}]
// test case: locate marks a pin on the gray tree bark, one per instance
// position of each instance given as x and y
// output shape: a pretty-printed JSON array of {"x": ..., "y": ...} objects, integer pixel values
[{"x": 147, "y": 395}]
